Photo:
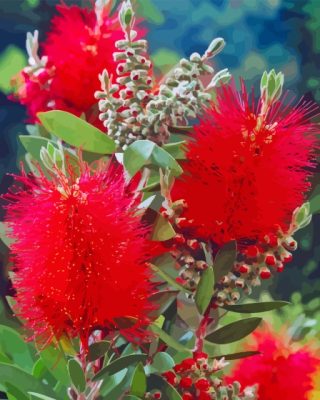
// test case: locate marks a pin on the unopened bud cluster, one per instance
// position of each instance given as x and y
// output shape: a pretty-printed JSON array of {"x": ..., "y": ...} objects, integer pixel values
[
  {"x": 187, "y": 251},
  {"x": 131, "y": 109},
  {"x": 197, "y": 379},
  {"x": 253, "y": 264}
]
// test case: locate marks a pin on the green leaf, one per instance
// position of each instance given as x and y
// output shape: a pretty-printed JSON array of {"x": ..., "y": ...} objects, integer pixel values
[
  {"x": 15, "y": 376},
  {"x": 3, "y": 235},
  {"x": 14, "y": 347},
  {"x": 204, "y": 290},
  {"x": 145, "y": 152},
  {"x": 162, "y": 229},
  {"x": 162, "y": 362},
  {"x": 170, "y": 341},
  {"x": 40, "y": 396},
  {"x": 237, "y": 356},
  {"x": 177, "y": 149},
  {"x": 162, "y": 300},
  {"x": 77, "y": 132},
  {"x": 12, "y": 60},
  {"x": 77, "y": 375},
  {"x": 168, "y": 391},
  {"x": 97, "y": 350},
  {"x": 119, "y": 364},
  {"x": 55, "y": 362},
  {"x": 271, "y": 85},
  {"x": 148, "y": 11},
  {"x": 33, "y": 144},
  {"x": 130, "y": 397},
  {"x": 139, "y": 381},
  {"x": 256, "y": 307},
  {"x": 234, "y": 331},
  {"x": 224, "y": 260},
  {"x": 168, "y": 279}
]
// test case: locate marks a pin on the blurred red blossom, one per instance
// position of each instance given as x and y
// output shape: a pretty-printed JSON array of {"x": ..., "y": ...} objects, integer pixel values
[
  {"x": 247, "y": 170},
  {"x": 78, "y": 47},
  {"x": 282, "y": 371},
  {"x": 79, "y": 254}
]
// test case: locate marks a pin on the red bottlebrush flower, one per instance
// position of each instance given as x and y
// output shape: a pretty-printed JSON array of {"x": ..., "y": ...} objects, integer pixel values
[
  {"x": 281, "y": 371},
  {"x": 247, "y": 172},
  {"x": 78, "y": 47},
  {"x": 79, "y": 255}
]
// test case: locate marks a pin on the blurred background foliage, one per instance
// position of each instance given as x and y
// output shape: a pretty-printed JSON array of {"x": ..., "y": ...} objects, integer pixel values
[{"x": 260, "y": 34}]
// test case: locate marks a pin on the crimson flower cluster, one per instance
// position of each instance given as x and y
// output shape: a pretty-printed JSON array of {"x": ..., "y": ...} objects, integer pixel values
[
  {"x": 247, "y": 169},
  {"x": 79, "y": 254},
  {"x": 78, "y": 47},
  {"x": 278, "y": 360}
]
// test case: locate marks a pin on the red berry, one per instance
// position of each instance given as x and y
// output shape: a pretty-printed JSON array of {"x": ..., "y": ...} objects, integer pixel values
[
  {"x": 180, "y": 239},
  {"x": 270, "y": 260},
  {"x": 265, "y": 273},
  {"x": 202, "y": 384},
  {"x": 272, "y": 240},
  {"x": 280, "y": 267},
  {"x": 170, "y": 377},
  {"x": 287, "y": 258},
  {"x": 187, "y": 396},
  {"x": 244, "y": 269},
  {"x": 204, "y": 396},
  {"x": 185, "y": 382},
  {"x": 200, "y": 356},
  {"x": 193, "y": 244},
  {"x": 252, "y": 251}
]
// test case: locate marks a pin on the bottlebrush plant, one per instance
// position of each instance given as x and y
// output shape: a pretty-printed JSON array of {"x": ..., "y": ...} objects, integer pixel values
[{"x": 129, "y": 245}]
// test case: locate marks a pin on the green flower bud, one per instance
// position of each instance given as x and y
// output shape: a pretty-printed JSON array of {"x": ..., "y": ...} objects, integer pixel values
[{"x": 215, "y": 47}]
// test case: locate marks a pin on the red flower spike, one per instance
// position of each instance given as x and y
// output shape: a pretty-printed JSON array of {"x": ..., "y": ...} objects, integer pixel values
[
  {"x": 231, "y": 154},
  {"x": 278, "y": 358},
  {"x": 78, "y": 48},
  {"x": 78, "y": 248}
]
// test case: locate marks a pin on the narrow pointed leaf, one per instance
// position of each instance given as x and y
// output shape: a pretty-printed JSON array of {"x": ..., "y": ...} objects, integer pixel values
[
  {"x": 119, "y": 364},
  {"x": 256, "y": 307},
  {"x": 224, "y": 260},
  {"x": 204, "y": 290},
  {"x": 168, "y": 279},
  {"x": 97, "y": 350},
  {"x": 77, "y": 132},
  {"x": 10, "y": 375},
  {"x": 139, "y": 381},
  {"x": 162, "y": 229},
  {"x": 77, "y": 375},
  {"x": 162, "y": 301},
  {"x": 234, "y": 331},
  {"x": 170, "y": 341},
  {"x": 237, "y": 356},
  {"x": 35, "y": 396},
  {"x": 168, "y": 391}
]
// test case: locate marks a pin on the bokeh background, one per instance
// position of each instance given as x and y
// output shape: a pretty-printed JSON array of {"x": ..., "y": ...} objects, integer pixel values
[{"x": 260, "y": 34}]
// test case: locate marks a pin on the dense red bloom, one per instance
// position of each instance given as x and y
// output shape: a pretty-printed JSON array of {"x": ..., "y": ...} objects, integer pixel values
[
  {"x": 281, "y": 371},
  {"x": 78, "y": 48},
  {"x": 79, "y": 255},
  {"x": 247, "y": 172}
]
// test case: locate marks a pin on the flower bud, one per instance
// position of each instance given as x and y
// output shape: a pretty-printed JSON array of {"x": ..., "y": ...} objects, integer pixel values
[{"x": 215, "y": 47}]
